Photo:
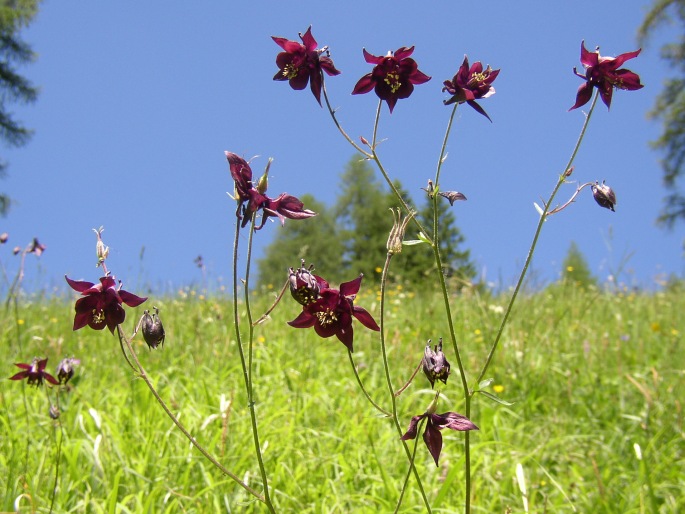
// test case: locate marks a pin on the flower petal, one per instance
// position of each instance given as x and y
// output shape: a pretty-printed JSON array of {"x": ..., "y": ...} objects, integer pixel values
[{"x": 433, "y": 439}]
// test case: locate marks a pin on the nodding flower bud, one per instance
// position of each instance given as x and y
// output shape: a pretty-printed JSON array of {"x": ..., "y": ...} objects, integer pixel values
[
  {"x": 65, "y": 369},
  {"x": 4, "y": 237},
  {"x": 435, "y": 365},
  {"x": 604, "y": 195},
  {"x": 153, "y": 330},
  {"x": 304, "y": 285},
  {"x": 452, "y": 196},
  {"x": 399, "y": 226},
  {"x": 101, "y": 250}
]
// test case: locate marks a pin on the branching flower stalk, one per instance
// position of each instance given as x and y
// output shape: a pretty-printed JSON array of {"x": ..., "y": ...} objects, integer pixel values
[
  {"x": 391, "y": 393},
  {"x": 247, "y": 366},
  {"x": 560, "y": 181}
]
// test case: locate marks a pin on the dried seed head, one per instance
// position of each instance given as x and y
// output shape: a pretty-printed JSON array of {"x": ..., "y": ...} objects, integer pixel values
[{"x": 399, "y": 227}]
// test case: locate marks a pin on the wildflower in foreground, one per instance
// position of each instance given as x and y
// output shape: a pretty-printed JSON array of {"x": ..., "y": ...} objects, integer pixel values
[
  {"x": 471, "y": 83},
  {"x": 252, "y": 199},
  {"x": 393, "y": 77},
  {"x": 331, "y": 313},
  {"x": 604, "y": 195},
  {"x": 434, "y": 424},
  {"x": 34, "y": 373},
  {"x": 435, "y": 365},
  {"x": 101, "y": 303},
  {"x": 301, "y": 63},
  {"x": 603, "y": 73}
]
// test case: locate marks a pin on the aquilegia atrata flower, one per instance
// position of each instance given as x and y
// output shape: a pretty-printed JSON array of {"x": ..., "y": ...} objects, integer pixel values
[
  {"x": 301, "y": 63},
  {"x": 331, "y": 313},
  {"x": 252, "y": 198},
  {"x": 100, "y": 306},
  {"x": 603, "y": 73},
  {"x": 434, "y": 424},
  {"x": 393, "y": 77},
  {"x": 471, "y": 83},
  {"x": 34, "y": 373}
]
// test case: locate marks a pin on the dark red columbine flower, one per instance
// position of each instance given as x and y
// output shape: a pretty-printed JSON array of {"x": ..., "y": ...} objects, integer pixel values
[
  {"x": 302, "y": 63},
  {"x": 252, "y": 198},
  {"x": 434, "y": 424},
  {"x": 34, "y": 373},
  {"x": 331, "y": 313},
  {"x": 603, "y": 73},
  {"x": 101, "y": 303},
  {"x": 470, "y": 84},
  {"x": 393, "y": 77}
]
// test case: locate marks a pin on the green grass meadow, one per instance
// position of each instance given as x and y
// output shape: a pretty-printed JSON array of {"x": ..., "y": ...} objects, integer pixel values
[{"x": 596, "y": 380}]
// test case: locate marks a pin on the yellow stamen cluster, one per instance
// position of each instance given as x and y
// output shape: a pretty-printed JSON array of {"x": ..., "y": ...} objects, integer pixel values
[
  {"x": 98, "y": 316},
  {"x": 393, "y": 80},
  {"x": 327, "y": 317},
  {"x": 290, "y": 71}
]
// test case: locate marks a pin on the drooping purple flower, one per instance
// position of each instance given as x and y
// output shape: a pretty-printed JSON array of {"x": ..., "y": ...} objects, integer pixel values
[
  {"x": 34, "y": 373},
  {"x": 100, "y": 306},
  {"x": 434, "y": 424},
  {"x": 471, "y": 83},
  {"x": 393, "y": 77},
  {"x": 301, "y": 63},
  {"x": 252, "y": 199},
  {"x": 331, "y": 313},
  {"x": 604, "y": 74}
]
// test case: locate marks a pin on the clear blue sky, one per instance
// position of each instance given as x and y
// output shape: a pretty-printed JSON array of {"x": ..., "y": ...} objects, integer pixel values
[{"x": 139, "y": 100}]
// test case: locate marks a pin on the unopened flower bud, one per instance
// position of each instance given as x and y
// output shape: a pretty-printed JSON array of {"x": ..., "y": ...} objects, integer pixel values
[
  {"x": 54, "y": 412},
  {"x": 399, "y": 226},
  {"x": 430, "y": 189},
  {"x": 435, "y": 365},
  {"x": 36, "y": 247},
  {"x": 452, "y": 196},
  {"x": 604, "y": 195},
  {"x": 153, "y": 330},
  {"x": 569, "y": 171},
  {"x": 16, "y": 250},
  {"x": 263, "y": 182},
  {"x": 101, "y": 250},
  {"x": 65, "y": 369},
  {"x": 304, "y": 285},
  {"x": 4, "y": 237}
]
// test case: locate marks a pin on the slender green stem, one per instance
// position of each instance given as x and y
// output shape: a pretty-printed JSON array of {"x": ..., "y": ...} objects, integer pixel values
[
  {"x": 361, "y": 386},
  {"x": 246, "y": 368},
  {"x": 443, "y": 149},
  {"x": 58, "y": 455},
  {"x": 374, "y": 156},
  {"x": 143, "y": 374},
  {"x": 409, "y": 471},
  {"x": 391, "y": 390},
  {"x": 561, "y": 180},
  {"x": 337, "y": 123}
]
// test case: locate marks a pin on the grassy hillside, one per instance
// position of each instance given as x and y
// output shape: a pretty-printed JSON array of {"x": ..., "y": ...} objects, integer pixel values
[{"x": 596, "y": 422}]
